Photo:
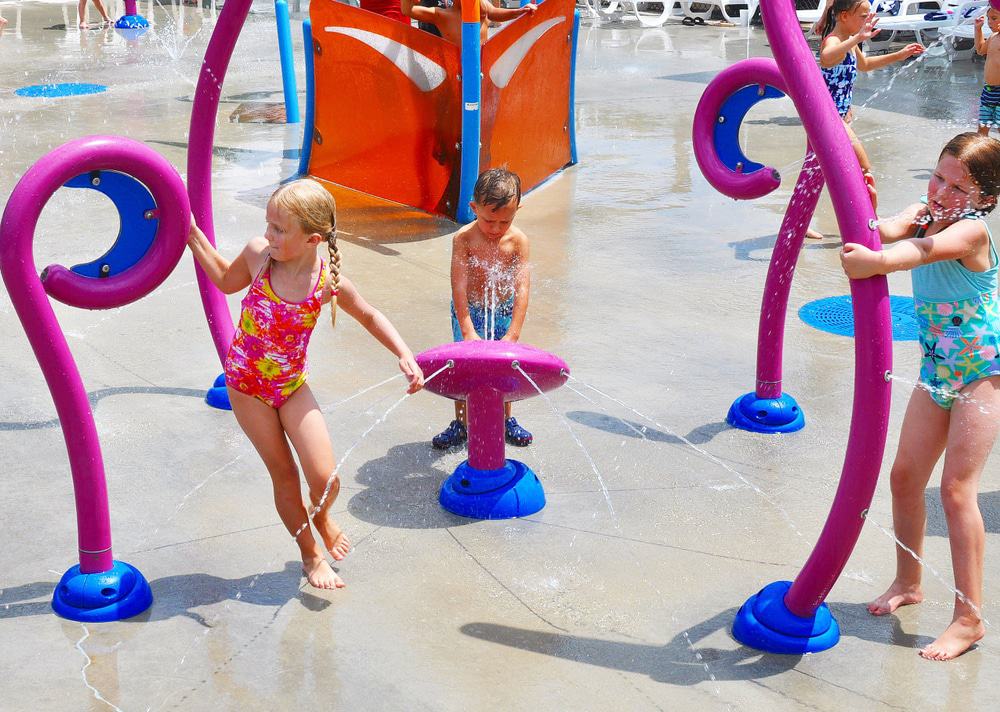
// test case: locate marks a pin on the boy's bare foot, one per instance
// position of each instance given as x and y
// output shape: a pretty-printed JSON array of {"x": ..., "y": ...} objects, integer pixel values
[
  {"x": 813, "y": 235},
  {"x": 320, "y": 574},
  {"x": 4, "y": 22},
  {"x": 961, "y": 635},
  {"x": 334, "y": 538},
  {"x": 899, "y": 594}
]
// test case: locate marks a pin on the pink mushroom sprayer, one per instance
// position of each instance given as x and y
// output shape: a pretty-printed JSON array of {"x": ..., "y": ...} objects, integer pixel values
[{"x": 487, "y": 374}]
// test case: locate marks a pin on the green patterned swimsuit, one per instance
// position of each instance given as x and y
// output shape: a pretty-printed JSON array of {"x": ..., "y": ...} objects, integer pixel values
[{"x": 959, "y": 320}]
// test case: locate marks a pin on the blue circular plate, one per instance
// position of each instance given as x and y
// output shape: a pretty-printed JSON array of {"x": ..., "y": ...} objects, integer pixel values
[
  {"x": 48, "y": 91},
  {"x": 834, "y": 316}
]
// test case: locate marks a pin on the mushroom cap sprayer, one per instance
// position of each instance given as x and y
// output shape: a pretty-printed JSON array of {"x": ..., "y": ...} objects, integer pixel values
[{"x": 487, "y": 374}]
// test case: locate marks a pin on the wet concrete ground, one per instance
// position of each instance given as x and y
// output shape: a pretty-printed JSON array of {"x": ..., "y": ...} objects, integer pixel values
[{"x": 645, "y": 281}]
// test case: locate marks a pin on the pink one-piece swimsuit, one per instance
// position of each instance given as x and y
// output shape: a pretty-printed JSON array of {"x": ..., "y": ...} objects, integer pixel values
[{"x": 267, "y": 359}]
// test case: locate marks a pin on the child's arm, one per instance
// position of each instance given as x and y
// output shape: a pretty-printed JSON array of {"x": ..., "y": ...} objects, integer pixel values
[
  {"x": 229, "y": 277},
  {"x": 817, "y": 29},
  {"x": 901, "y": 226},
  {"x": 460, "y": 285},
  {"x": 981, "y": 43},
  {"x": 418, "y": 12},
  {"x": 957, "y": 241},
  {"x": 381, "y": 328},
  {"x": 502, "y": 14},
  {"x": 867, "y": 64},
  {"x": 522, "y": 287},
  {"x": 833, "y": 50}
]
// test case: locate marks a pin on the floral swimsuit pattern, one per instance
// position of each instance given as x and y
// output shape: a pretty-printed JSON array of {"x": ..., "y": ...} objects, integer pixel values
[
  {"x": 267, "y": 359},
  {"x": 959, "y": 339},
  {"x": 959, "y": 344}
]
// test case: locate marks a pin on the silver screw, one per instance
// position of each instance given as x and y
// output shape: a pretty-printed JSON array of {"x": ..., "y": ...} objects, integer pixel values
[
  {"x": 872, "y": 224},
  {"x": 149, "y": 214},
  {"x": 887, "y": 376},
  {"x": 450, "y": 363},
  {"x": 722, "y": 119},
  {"x": 515, "y": 365},
  {"x": 95, "y": 180}
]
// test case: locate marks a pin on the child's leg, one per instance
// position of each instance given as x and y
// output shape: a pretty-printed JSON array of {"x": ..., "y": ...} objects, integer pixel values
[
  {"x": 100, "y": 8},
  {"x": 81, "y": 10},
  {"x": 261, "y": 424},
  {"x": 921, "y": 442},
  {"x": 970, "y": 439},
  {"x": 303, "y": 422},
  {"x": 460, "y": 412}
]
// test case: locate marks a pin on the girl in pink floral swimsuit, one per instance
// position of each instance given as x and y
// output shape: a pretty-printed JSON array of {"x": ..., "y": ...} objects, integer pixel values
[{"x": 266, "y": 365}]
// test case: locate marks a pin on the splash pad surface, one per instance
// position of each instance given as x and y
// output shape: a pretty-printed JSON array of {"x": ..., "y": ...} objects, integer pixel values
[{"x": 645, "y": 281}]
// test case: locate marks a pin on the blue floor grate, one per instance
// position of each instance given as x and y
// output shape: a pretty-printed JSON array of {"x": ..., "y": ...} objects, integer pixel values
[{"x": 833, "y": 315}]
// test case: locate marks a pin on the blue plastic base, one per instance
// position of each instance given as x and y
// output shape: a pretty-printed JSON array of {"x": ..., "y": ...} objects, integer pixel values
[
  {"x": 128, "y": 22},
  {"x": 511, "y": 491},
  {"x": 121, "y": 592},
  {"x": 766, "y": 415},
  {"x": 217, "y": 396},
  {"x": 765, "y": 623}
]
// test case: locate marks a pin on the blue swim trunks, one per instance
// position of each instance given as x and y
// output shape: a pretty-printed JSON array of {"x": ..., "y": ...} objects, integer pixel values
[
  {"x": 989, "y": 106},
  {"x": 491, "y": 323}
]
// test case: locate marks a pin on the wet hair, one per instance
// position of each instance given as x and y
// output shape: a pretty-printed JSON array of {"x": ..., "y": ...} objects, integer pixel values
[
  {"x": 837, "y": 7},
  {"x": 497, "y": 188},
  {"x": 981, "y": 157},
  {"x": 315, "y": 209}
]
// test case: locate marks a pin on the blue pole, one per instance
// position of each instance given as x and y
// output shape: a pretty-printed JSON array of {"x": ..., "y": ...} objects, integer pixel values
[
  {"x": 287, "y": 61},
  {"x": 471, "y": 94},
  {"x": 307, "y": 129},
  {"x": 571, "y": 127}
]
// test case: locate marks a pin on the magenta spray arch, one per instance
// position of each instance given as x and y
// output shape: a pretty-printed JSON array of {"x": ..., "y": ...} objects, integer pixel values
[
  {"x": 201, "y": 135},
  {"x": 791, "y": 617},
  {"x": 153, "y": 208}
]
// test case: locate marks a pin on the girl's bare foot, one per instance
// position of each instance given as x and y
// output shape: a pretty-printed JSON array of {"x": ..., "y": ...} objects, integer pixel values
[
  {"x": 899, "y": 594},
  {"x": 320, "y": 574},
  {"x": 961, "y": 635},
  {"x": 813, "y": 235},
  {"x": 334, "y": 538}
]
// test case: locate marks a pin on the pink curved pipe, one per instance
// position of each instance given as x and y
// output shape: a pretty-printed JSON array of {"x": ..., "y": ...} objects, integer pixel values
[
  {"x": 483, "y": 374},
  {"x": 199, "y": 166},
  {"x": 872, "y": 330},
  {"x": 741, "y": 186},
  {"x": 873, "y": 352},
  {"x": 28, "y": 294},
  {"x": 872, "y": 324}
]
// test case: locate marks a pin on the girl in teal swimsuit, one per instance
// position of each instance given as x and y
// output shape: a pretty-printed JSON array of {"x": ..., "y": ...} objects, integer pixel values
[{"x": 953, "y": 264}]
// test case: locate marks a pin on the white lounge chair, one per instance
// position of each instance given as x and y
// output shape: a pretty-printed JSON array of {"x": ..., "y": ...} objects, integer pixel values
[
  {"x": 931, "y": 22},
  {"x": 883, "y": 8},
  {"x": 723, "y": 7},
  {"x": 960, "y": 40},
  {"x": 618, "y": 9}
]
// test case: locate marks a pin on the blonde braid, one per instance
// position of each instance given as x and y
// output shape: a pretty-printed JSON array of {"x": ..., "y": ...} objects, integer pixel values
[{"x": 331, "y": 246}]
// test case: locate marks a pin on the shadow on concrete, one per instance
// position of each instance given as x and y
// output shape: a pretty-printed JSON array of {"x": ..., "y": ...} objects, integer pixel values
[
  {"x": 182, "y": 595},
  {"x": 856, "y": 622},
  {"x": 627, "y": 428},
  {"x": 989, "y": 505},
  {"x": 402, "y": 489},
  {"x": 674, "y": 663},
  {"x": 94, "y": 397},
  {"x": 743, "y": 249}
]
